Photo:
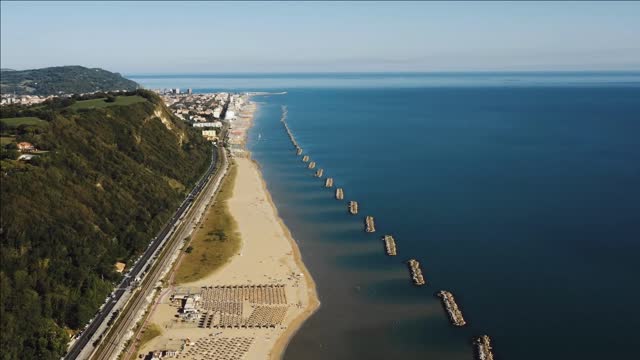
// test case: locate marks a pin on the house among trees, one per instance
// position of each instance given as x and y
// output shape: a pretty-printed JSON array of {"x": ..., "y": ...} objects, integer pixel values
[
  {"x": 120, "y": 266},
  {"x": 209, "y": 135},
  {"x": 26, "y": 147}
]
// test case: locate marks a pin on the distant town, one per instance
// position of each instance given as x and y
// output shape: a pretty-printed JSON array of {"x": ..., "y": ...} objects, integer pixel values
[
  {"x": 10, "y": 99},
  {"x": 208, "y": 111}
]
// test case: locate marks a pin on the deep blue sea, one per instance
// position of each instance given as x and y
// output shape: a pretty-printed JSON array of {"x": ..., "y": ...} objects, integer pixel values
[{"x": 518, "y": 192}]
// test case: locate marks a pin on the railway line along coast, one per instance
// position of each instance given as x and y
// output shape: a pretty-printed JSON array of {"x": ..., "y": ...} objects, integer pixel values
[
  {"x": 254, "y": 300},
  {"x": 108, "y": 338}
]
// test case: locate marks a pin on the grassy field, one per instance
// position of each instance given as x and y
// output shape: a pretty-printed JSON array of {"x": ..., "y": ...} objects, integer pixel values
[
  {"x": 4, "y": 140},
  {"x": 101, "y": 103},
  {"x": 17, "y": 121},
  {"x": 150, "y": 332},
  {"x": 215, "y": 241}
]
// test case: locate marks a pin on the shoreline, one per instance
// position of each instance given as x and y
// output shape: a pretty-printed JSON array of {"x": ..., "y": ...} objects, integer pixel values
[
  {"x": 314, "y": 302},
  {"x": 278, "y": 349},
  {"x": 268, "y": 255}
]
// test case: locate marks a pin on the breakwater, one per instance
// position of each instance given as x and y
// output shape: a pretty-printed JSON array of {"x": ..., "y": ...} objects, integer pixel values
[
  {"x": 370, "y": 225},
  {"x": 416, "y": 272},
  {"x": 484, "y": 351},
  {"x": 283, "y": 119},
  {"x": 449, "y": 303},
  {"x": 390, "y": 245},
  {"x": 328, "y": 183},
  {"x": 353, "y": 207},
  {"x": 482, "y": 343}
]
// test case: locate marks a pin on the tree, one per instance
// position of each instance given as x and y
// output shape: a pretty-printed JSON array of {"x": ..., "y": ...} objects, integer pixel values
[
  {"x": 10, "y": 154},
  {"x": 67, "y": 217}
]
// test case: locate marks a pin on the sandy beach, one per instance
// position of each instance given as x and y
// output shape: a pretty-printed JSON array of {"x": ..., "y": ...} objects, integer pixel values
[{"x": 264, "y": 291}]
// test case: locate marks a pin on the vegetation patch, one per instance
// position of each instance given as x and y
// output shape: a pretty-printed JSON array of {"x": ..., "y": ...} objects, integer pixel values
[
  {"x": 215, "y": 241},
  {"x": 62, "y": 80},
  {"x": 149, "y": 333},
  {"x": 6, "y": 140},
  {"x": 175, "y": 184},
  {"x": 108, "y": 101},
  {"x": 28, "y": 120},
  {"x": 62, "y": 233}
]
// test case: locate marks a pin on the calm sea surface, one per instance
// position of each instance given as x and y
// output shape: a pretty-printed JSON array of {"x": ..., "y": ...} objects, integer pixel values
[{"x": 520, "y": 193}]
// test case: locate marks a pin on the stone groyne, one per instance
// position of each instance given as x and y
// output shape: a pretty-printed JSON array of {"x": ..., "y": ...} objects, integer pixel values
[
  {"x": 283, "y": 119},
  {"x": 370, "y": 225},
  {"x": 483, "y": 347},
  {"x": 353, "y": 207},
  {"x": 449, "y": 303},
  {"x": 482, "y": 344},
  {"x": 416, "y": 272},
  {"x": 390, "y": 245},
  {"x": 328, "y": 183}
]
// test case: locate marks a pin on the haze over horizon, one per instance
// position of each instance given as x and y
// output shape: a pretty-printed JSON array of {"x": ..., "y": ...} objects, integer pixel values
[{"x": 194, "y": 37}]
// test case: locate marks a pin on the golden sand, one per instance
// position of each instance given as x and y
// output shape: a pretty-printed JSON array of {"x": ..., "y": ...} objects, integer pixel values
[{"x": 268, "y": 255}]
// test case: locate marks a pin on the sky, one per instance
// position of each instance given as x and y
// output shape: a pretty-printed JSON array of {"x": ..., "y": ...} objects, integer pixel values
[{"x": 218, "y": 37}]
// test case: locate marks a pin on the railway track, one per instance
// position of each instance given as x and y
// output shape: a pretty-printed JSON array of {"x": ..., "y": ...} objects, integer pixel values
[{"x": 108, "y": 347}]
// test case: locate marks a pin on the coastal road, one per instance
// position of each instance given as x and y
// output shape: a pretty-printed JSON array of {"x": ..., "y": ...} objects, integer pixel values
[{"x": 145, "y": 273}]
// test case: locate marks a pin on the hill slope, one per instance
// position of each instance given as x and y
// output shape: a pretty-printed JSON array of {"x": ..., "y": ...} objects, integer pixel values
[
  {"x": 112, "y": 177},
  {"x": 62, "y": 79}
]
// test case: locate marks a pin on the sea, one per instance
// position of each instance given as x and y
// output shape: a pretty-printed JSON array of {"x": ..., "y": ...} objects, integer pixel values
[{"x": 517, "y": 192}]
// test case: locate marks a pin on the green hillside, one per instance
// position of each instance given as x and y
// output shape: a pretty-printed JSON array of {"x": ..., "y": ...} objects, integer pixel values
[
  {"x": 62, "y": 80},
  {"x": 97, "y": 194}
]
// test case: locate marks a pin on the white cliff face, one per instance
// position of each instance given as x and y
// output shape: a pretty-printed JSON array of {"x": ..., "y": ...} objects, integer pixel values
[
  {"x": 161, "y": 114},
  {"x": 165, "y": 120}
]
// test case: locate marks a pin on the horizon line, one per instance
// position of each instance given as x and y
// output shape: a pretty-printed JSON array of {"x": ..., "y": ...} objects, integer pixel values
[{"x": 434, "y": 72}]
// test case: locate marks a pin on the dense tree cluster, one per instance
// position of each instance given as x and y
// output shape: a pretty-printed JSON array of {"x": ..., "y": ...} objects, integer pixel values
[
  {"x": 98, "y": 196},
  {"x": 62, "y": 79}
]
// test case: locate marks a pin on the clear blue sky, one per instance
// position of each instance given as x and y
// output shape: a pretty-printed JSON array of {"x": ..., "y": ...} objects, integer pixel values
[{"x": 148, "y": 37}]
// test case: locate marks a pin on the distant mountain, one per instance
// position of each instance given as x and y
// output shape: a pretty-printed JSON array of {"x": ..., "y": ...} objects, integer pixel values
[{"x": 62, "y": 80}]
